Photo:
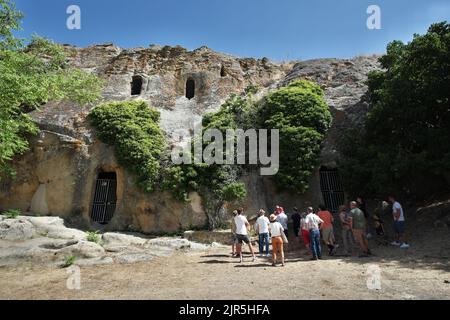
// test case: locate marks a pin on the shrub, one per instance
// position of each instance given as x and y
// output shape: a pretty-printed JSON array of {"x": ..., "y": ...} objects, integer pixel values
[
  {"x": 139, "y": 144},
  {"x": 234, "y": 191},
  {"x": 11, "y": 214},
  {"x": 93, "y": 236},
  {"x": 301, "y": 114},
  {"x": 70, "y": 260}
]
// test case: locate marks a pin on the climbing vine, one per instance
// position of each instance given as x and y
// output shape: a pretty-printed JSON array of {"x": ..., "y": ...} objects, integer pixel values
[
  {"x": 139, "y": 144},
  {"x": 299, "y": 111},
  {"x": 302, "y": 115}
]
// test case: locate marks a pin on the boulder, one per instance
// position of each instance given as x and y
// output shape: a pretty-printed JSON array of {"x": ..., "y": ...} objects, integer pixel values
[
  {"x": 83, "y": 249},
  {"x": 111, "y": 239},
  {"x": 94, "y": 262},
  {"x": 53, "y": 227},
  {"x": 128, "y": 258},
  {"x": 173, "y": 243},
  {"x": 16, "y": 230}
]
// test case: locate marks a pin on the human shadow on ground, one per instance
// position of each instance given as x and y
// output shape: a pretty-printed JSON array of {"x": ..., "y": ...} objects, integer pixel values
[
  {"x": 215, "y": 261},
  {"x": 217, "y": 256},
  {"x": 253, "y": 265}
]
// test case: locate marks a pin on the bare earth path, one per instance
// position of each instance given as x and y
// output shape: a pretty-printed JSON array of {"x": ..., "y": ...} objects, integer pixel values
[{"x": 213, "y": 274}]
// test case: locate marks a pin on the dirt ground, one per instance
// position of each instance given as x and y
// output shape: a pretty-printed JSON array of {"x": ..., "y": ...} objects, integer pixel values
[{"x": 421, "y": 272}]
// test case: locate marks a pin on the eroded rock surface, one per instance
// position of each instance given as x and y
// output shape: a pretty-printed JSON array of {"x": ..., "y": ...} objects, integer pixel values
[
  {"x": 47, "y": 241},
  {"x": 58, "y": 175}
]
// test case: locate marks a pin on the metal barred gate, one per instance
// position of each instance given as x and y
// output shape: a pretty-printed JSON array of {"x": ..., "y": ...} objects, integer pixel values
[
  {"x": 332, "y": 189},
  {"x": 104, "y": 203}
]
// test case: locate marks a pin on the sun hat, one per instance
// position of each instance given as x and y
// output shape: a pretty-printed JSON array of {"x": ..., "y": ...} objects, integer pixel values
[{"x": 273, "y": 218}]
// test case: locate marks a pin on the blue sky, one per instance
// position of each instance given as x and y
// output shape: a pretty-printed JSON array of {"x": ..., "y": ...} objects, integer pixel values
[{"x": 278, "y": 29}]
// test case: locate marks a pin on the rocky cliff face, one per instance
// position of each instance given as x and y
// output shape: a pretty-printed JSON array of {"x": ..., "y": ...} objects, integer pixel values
[
  {"x": 164, "y": 72},
  {"x": 57, "y": 176}
]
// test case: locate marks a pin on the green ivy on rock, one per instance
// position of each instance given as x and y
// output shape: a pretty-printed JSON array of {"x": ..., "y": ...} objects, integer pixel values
[{"x": 139, "y": 144}]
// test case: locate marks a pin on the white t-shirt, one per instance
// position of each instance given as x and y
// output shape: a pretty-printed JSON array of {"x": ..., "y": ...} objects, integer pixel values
[
  {"x": 241, "y": 227},
  {"x": 312, "y": 221},
  {"x": 397, "y": 206},
  {"x": 263, "y": 224},
  {"x": 276, "y": 229}
]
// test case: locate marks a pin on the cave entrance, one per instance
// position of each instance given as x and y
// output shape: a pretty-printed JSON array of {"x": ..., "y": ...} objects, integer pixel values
[
  {"x": 105, "y": 198},
  {"x": 136, "y": 85},
  {"x": 190, "y": 88},
  {"x": 332, "y": 189},
  {"x": 223, "y": 72}
]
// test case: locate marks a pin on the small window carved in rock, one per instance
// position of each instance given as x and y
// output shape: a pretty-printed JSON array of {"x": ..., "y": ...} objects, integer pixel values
[
  {"x": 136, "y": 85},
  {"x": 190, "y": 88},
  {"x": 223, "y": 72}
]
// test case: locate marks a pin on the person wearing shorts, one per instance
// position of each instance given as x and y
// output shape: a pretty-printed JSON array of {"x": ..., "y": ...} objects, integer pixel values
[
  {"x": 326, "y": 229},
  {"x": 242, "y": 227},
  {"x": 233, "y": 235},
  {"x": 399, "y": 224}
]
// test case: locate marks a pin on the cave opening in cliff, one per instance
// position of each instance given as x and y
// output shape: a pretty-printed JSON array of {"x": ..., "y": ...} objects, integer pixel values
[
  {"x": 136, "y": 85},
  {"x": 332, "y": 188},
  {"x": 190, "y": 88},
  {"x": 223, "y": 72},
  {"x": 105, "y": 198}
]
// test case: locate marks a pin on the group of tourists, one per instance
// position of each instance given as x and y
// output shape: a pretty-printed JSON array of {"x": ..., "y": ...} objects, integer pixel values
[{"x": 313, "y": 228}]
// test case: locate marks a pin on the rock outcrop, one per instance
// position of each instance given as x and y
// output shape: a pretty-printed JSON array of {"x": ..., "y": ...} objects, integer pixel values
[
  {"x": 47, "y": 241},
  {"x": 58, "y": 175}
]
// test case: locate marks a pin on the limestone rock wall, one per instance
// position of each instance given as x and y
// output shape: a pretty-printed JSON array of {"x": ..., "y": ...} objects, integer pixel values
[{"x": 57, "y": 176}]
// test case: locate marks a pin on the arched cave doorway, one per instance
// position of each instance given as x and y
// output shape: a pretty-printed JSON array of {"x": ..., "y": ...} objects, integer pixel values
[
  {"x": 105, "y": 197},
  {"x": 223, "y": 72},
  {"x": 190, "y": 88},
  {"x": 136, "y": 85},
  {"x": 332, "y": 189}
]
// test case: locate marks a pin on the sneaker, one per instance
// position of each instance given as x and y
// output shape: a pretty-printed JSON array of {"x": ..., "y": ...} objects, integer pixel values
[
  {"x": 404, "y": 246},
  {"x": 395, "y": 243},
  {"x": 268, "y": 255},
  {"x": 254, "y": 259}
]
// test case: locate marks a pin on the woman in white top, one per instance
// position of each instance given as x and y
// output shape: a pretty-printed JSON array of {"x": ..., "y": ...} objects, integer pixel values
[{"x": 277, "y": 234}]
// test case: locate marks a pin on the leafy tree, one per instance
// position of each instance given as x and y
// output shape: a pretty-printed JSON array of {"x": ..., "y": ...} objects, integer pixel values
[
  {"x": 9, "y": 20},
  {"x": 404, "y": 147},
  {"x": 31, "y": 76}
]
